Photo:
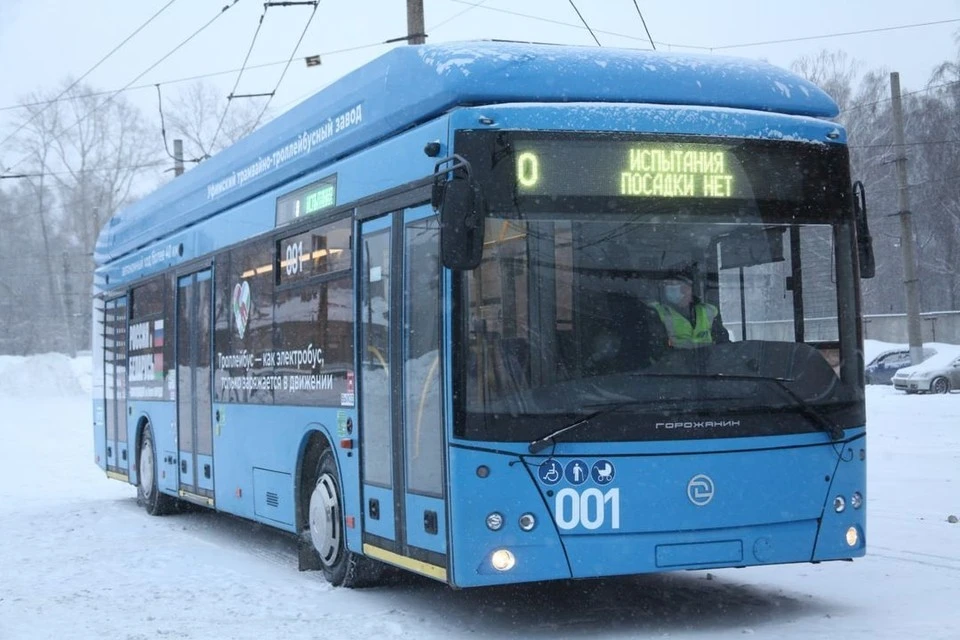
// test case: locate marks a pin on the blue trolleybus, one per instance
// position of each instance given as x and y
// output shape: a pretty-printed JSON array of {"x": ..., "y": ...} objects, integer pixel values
[{"x": 427, "y": 319}]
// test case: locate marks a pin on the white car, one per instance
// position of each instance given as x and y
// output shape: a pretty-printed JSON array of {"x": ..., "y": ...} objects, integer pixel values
[{"x": 938, "y": 374}]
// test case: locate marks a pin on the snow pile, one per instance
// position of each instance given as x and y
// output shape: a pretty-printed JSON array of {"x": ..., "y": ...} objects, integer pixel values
[{"x": 47, "y": 375}]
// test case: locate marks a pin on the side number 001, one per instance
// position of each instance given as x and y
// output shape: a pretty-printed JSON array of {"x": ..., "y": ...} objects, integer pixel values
[{"x": 588, "y": 508}]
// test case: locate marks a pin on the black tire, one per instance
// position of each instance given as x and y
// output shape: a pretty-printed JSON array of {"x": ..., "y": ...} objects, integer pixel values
[
  {"x": 148, "y": 491},
  {"x": 940, "y": 385},
  {"x": 325, "y": 522}
]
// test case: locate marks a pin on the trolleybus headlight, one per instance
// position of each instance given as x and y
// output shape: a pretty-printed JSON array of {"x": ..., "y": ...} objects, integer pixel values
[
  {"x": 502, "y": 560},
  {"x": 852, "y": 536},
  {"x": 527, "y": 522},
  {"x": 856, "y": 500},
  {"x": 839, "y": 504},
  {"x": 494, "y": 521}
]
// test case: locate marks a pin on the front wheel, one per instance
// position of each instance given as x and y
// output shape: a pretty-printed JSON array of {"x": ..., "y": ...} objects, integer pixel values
[
  {"x": 341, "y": 567},
  {"x": 940, "y": 385},
  {"x": 148, "y": 493}
]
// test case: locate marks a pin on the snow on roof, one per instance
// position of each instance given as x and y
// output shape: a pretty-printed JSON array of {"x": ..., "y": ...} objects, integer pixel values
[{"x": 412, "y": 84}]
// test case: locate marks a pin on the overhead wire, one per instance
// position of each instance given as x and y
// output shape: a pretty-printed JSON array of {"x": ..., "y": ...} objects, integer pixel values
[
  {"x": 143, "y": 73},
  {"x": 715, "y": 47},
  {"x": 236, "y": 84},
  {"x": 283, "y": 73},
  {"x": 645, "y": 25},
  {"x": 85, "y": 74},
  {"x": 584, "y": 21},
  {"x": 455, "y": 16}
]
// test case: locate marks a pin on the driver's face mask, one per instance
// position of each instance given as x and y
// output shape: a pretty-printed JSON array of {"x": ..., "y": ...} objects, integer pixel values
[{"x": 674, "y": 293}]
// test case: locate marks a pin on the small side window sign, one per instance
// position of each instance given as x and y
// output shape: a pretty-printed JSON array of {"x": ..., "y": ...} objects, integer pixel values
[{"x": 307, "y": 201}]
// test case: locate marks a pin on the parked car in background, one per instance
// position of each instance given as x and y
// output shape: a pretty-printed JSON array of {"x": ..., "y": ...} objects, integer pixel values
[
  {"x": 939, "y": 374},
  {"x": 880, "y": 370}
]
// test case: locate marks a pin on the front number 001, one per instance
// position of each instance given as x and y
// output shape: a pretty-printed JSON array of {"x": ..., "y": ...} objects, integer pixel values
[{"x": 588, "y": 508}]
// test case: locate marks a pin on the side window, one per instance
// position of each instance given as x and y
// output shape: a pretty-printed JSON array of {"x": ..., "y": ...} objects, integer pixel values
[
  {"x": 422, "y": 398},
  {"x": 243, "y": 321},
  {"x": 146, "y": 339},
  {"x": 313, "y": 318}
]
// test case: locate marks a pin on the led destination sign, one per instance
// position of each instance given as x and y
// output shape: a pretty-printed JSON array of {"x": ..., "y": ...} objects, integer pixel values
[
  {"x": 630, "y": 169},
  {"x": 307, "y": 200}
]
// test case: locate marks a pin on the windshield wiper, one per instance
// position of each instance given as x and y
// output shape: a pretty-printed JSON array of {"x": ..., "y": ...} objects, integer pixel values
[
  {"x": 542, "y": 443},
  {"x": 834, "y": 430}
]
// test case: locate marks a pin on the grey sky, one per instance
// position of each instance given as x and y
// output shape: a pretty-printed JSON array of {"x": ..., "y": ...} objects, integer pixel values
[{"x": 43, "y": 41}]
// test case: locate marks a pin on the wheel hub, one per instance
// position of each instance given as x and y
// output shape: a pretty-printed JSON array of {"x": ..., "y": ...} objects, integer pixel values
[
  {"x": 325, "y": 530},
  {"x": 146, "y": 467}
]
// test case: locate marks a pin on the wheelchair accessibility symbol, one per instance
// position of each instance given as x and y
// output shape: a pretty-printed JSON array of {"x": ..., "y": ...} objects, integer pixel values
[{"x": 550, "y": 472}]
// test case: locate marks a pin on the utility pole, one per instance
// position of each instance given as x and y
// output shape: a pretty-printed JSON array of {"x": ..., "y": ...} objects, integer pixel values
[
  {"x": 177, "y": 158},
  {"x": 906, "y": 228},
  {"x": 415, "y": 28}
]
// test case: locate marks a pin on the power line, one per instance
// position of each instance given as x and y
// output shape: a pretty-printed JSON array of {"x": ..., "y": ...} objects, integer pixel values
[
  {"x": 557, "y": 22},
  {"x": 584, "y": 21},
  {"x": 456, "y": 15},
  {"x": 714, "y": 47},
  {"x": 861, "y": 105},
  {"x": 835, "y": 35},
  {"x": 86, "y": 73},
  {"x": 201, "y": 76},
  {"x": 236, "y": 84},
  {"x": 284, "y": 72},
  {"x": 905, "y": 144},
  {"x": 143, "y": 73},
  {"x": 644, "y": 25}
]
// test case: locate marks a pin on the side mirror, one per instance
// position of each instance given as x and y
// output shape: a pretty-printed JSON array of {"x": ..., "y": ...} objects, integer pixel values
[
  {"x": 864, "y": 240},
  {"x": 461, "y": 206}
]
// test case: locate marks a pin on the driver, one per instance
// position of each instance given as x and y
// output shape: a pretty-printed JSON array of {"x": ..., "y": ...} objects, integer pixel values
[{"x": 689, "y": 322}]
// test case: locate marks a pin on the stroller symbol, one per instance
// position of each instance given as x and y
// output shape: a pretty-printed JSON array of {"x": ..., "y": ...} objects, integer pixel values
[
  {"x": 550, "y": 472},
  {"x": 603, "y": 472}
]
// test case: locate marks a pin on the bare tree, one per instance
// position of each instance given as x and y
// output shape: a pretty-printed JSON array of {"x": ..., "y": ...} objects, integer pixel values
[
  {"x": 208, "y": 121},
  {"x": 85, "y": 155}
]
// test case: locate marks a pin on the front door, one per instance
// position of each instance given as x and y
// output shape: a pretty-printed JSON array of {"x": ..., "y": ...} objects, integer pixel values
[
  {"x": 194, "y": 419},
  {"x": 401, "y": 414}
]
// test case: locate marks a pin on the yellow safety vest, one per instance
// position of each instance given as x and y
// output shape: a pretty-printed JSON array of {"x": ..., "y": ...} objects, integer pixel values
[{"x": 680, "y": 332}]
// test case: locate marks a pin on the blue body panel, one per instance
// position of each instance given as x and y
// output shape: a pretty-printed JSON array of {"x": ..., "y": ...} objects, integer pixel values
[
  {"x": 384, "y": 525},
  {"x": 416, "y": 506},
  {"x": 755, "y": 507}
]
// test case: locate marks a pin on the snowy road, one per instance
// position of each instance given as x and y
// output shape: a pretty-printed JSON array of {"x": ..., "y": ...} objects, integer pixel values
[{"x": 80, "y": 560}]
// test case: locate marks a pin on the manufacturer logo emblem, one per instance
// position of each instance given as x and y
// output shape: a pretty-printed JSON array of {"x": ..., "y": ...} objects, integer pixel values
[
  {"x": 700, "y": 490},
  {"x": 241, "y": 306}
]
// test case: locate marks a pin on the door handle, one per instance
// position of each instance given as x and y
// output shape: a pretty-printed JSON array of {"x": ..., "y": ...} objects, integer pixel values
[
  {"x": 206, "y": 471},
  {"x": 430, "y": 522},
  {"x": 183, "y": 466}
]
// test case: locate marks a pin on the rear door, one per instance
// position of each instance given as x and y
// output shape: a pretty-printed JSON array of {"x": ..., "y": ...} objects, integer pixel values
[
  {"x": 115, "y": 387},
  {"x": 194, "y": 385}
]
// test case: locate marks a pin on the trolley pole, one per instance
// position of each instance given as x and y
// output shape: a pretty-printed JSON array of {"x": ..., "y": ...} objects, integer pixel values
[
  {"x": 415, "y": 28},
  {"x": 906, "y": 228}
]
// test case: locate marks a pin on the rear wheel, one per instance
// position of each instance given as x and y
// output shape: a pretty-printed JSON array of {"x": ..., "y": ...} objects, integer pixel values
[
  {"x": 940, "y": 385},
  {"x": 341, "y": 567},
  {"x": 148, "y": 492}
]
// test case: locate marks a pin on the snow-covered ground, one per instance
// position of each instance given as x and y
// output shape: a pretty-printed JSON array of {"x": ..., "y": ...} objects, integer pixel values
[{"x": 78, "y": 559}]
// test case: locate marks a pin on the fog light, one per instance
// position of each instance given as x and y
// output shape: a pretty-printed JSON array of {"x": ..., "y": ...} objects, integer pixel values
[
  {"x": 494, "y": 521},
  {"x": 527, "y": 522},
  {"x": 839, "y": 504},
  {"x": 852, "y": 537},
  {"x": 856, "y": 500},
  {"x": 502, "y": 560}
]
